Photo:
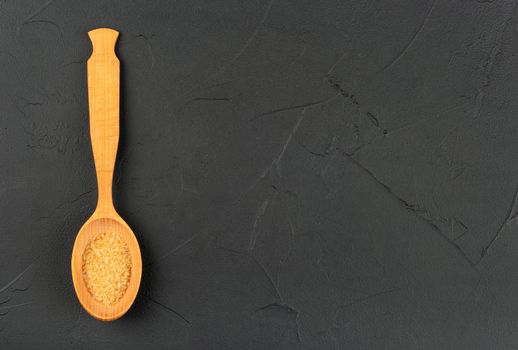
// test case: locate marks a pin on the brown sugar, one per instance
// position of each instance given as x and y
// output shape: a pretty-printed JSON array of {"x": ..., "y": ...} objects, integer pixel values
[{"x": 107, "y": 267}]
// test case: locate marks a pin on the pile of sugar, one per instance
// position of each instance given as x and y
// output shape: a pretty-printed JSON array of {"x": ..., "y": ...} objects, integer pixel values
[{"x": 107, "y": 267}]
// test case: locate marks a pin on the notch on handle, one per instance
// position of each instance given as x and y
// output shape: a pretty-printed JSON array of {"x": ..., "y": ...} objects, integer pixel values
[{"x": 103, "y": 100}]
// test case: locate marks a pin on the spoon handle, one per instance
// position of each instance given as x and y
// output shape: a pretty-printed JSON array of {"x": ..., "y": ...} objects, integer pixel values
[{"x": 103, "y": 101}]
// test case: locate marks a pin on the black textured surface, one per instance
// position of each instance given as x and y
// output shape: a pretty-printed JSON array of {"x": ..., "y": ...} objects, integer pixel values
[{"x": 300, "y": 174}]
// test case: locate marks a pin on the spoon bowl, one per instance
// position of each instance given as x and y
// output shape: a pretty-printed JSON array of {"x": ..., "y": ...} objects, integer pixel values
[{"x": 90, "y": 230}]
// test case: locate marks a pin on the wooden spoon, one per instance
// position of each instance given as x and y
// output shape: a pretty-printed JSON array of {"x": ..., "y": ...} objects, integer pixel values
[{"x": 103, "y": 94}]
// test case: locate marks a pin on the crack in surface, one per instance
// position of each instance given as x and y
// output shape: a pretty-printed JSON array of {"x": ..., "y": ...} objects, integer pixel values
[
  {"x": 8, "y": 307},
  {"x": 225, "y": 66},
  {"x": 292, "y": 234},
  {"x": 174, "y": 250},
  {"x": 269, "y": 278},
  {"x": 20, "y": 275},
  {"x": 254, "y": 34},
  {"x": 277, "y": 160},
  {"x": 289, "y": 108},
  {"x": 364, "y": 299},
  {"x": 149, "y": 47},
  {"x": 337, "y": 85},
  {"x": 412, "y": 40},
  {"x": 507, "y": 219},
  {"x": 488, "y": 69},
  {"x": 169, "y": 309},
  {"x": 54, "y": 24},
  {"x": 212, "y": 99},
  {"x": 53, "y": 211},
  {"x": 402, "y": 202},
  {"x": 287, "y": 308},
  {"x": 38, "y": 11},
  {"x": 337, "y": 62},
  {"x": 407, "y": 206},
  {"x": 257, "y": 219}
]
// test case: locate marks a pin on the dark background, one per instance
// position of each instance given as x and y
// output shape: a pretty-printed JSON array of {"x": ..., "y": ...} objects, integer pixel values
[{"x": 299, "y": 174}]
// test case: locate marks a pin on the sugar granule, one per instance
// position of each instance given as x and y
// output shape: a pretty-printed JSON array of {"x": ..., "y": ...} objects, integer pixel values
[{"x": 107, "y": 267}]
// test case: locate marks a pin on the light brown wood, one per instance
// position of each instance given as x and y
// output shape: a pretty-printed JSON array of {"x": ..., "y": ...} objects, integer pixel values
[{"x": 103, "y": 97}]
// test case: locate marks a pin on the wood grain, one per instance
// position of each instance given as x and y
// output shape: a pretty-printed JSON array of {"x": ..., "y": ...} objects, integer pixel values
[
  {"x": 103, "y": 96},
  {"x": 103, "y": 102}
]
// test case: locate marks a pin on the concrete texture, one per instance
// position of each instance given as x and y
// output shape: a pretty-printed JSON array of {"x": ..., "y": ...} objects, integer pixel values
[{"x": 300, "y": 174}]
